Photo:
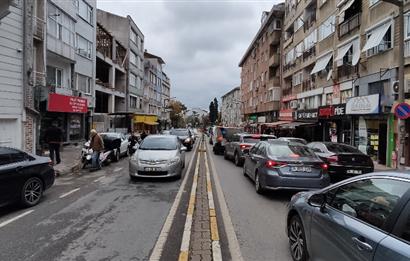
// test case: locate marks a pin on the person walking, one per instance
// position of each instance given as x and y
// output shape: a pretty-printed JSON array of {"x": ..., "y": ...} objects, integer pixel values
[
  {"x": 143, "y": 135},
  {"x": 97, "y": 145},
  {"x": 54, "y": 137}
]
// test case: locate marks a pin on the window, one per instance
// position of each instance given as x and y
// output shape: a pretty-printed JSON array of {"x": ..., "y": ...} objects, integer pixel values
[
  {"x": 329, "y": 98},
  {"x": 310, "y": 40},
  {"x": 299, "y": 49},
  {"x": 327, "y": 28},
  {"x": 133, "y": 102},
  {"x": 134, "y": 37},
  {"x": 84, "y": 47},
  {"x": 290, "y": 57},
  {"x": 133, "y": 80},
  {"x": 83, "y": 83},
  {"x": 346, "y": 94},
  {"x": 60, "y": 25},
  {"x": 133, "y": 58},
  {"x": 372, "y": 2},
  {"x": 297, "y": 78},
  {"x": 369, "y": 200},
  {"x": 278, "y": 24},
  {"x": 54, "y": 77},
  {"x": 385, "y": 44},
  {"x": 407, "y": 25},
  {"x": 298, "y": 23},
  {"x": 85, "y": 11}
]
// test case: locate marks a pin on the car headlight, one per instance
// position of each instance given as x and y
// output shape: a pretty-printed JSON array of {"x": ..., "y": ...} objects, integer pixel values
[
  {"x": 174, "y": 161},
  {"x": 134, "y": 159},
  {"x": 187, "y": 140}
]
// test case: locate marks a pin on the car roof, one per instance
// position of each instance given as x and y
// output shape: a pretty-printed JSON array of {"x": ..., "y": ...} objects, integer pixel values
[{"x": 283, "y": 142}]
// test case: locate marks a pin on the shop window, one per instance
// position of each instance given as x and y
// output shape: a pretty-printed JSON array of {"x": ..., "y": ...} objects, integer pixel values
[
  {"x": 75, "y": 127},
  {"x": 377, "y": 87}
]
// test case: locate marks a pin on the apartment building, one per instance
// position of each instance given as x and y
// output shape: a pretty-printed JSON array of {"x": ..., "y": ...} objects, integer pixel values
[
  {"x": 261, "y": 71},
  {"x": 130, "y": 36},
  {"x": 110, "y": 83},
  {"x": 153, "y": 84},
  {"x": 231, "y": 108},
  {"x": 165, "y": 118}
]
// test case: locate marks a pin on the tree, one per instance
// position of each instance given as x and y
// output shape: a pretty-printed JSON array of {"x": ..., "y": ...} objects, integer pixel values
[
  {"x": 212, "y": 116},
  {"x": 177, "y": 113}
]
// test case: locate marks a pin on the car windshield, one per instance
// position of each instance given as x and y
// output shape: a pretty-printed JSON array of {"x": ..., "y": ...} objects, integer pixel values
[
  {"x": 284, "y": 150},
  {"x": 109, "y": 135},
  {"x": 180, "y": 132},
  {"x": 341, "y": 148},
  {"x": 158, "y": 143}
]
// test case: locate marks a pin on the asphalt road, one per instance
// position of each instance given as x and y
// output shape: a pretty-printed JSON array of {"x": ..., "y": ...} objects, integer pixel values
[
  {"x": 93, "y": 216},
  {"x": 259, "y": 220}
]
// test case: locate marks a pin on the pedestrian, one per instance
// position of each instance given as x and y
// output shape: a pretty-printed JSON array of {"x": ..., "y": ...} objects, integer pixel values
[
  {"x": 97, "y": 145},
  {"x": 54, "y": 137},
  {"x": 143, "y": 135}
]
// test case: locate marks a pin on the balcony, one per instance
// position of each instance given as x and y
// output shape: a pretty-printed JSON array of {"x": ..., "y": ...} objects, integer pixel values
[
  {"x": 308, "y": 85},
  {"x": 349, "y": 25},
  {"x": 274, "y": 60},
  {"x": 39, "y": 78},
  {"x": 38, "y": 28},
  {"x": 347, "y": 70},
  {"x": 308, "y": 54},
  {"x": 288, "y": 42},
  {"x": 309, "y": 23}
]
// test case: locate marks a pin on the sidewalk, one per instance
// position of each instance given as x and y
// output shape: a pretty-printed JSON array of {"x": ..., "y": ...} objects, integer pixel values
[
  {"x": 380, "y": 167},
  {"x": 70, "y": 160}
]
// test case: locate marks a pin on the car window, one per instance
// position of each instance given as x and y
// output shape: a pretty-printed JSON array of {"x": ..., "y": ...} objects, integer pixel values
[
  {"x": 4, "y": 159},
  {"x": 370, "y": 200},
  {"x": 255, "y": 149},
  {"x": 341, "y": 148},
  {"x": 159, "y": 143},
  {"x": 262, "y": 149},
  {"x": 284, "y": 150}
]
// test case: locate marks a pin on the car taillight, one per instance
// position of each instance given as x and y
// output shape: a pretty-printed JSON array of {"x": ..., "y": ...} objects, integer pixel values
[
  {"x": 324, "y": 166},
  {"x": 244, "y": 146},
  {"x": 334, "y": 159},
  {"x": 272, "y": 164}
]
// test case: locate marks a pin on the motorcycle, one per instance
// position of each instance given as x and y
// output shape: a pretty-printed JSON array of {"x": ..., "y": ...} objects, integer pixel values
[{"x": 87, "y": 152}]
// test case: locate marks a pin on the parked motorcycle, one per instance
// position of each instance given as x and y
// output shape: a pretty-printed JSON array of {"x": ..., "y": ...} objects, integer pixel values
[{"x": 87, "y": 152}]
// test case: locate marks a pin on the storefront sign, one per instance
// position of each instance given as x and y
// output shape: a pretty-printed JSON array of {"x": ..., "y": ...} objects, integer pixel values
[
  {"x": 146, "y": 119},
  {"x": 306, "y": 114},
  {"x": 261, "y": 119},
  {"x": 286, "y": 115},
  {"x": 64, "y": 103},
  {"x": 326, "y": 112},
  {"x": 253, "y": 117},
  {"x": 363, "y": 105}
]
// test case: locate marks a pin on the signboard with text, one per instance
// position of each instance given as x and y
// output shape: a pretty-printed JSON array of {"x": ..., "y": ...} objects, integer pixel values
[
  {"x": 369, "y": 104},
  {"x": 286, "y": 115},
  {"x": 64, "y": 103},
  {"x": 331, "y": 111},
  {"x": 307, "y": 114}
]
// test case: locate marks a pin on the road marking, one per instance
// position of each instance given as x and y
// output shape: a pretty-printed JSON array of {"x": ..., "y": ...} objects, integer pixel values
[
  {"x": 5, "y": 223},
  {"x": 233, "y": 243},
  {"x": 99, "y": 179},
  {"x": 159, "y": 245},
  {"x": 117, "y": 169},
  {"x": 186, "y": 236},
  {"x": 69, "y": 193}
]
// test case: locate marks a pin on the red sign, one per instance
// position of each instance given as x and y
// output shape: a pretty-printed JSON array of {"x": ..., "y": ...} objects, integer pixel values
[
  {"x": 289, "y": 98},
  {"x": 286, "y": 115},
  {"x": 63, "y": 103},
  {"x": 402, "y": 111},
  {"x": 332, "y": 111}
]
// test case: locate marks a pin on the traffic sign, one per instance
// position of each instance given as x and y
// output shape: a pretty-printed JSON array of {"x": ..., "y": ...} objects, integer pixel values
[{"x": 402, "y": 111}]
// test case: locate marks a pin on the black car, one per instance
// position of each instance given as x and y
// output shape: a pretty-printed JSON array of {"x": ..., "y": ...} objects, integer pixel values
[
  {"x": 23, "y": 177},
  {"x": 184, "y": 136},
  {"x": 344, "y": 161}
]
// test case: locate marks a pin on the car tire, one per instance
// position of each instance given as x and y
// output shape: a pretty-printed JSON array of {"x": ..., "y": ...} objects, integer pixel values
[
  {"x": 244, "y": 171},
  {"x": 297, "y": 239},
  {"x": 127, "y": 153},
  {"x": 117, "y": 155},
  {"x": 32, "y": 192},
  {"x": 226, "y": 155},
  {"x": 258, "y": 186},
  {"x": 237, "y": 160}
]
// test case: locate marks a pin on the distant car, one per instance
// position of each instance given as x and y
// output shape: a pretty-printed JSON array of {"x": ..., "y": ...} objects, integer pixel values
[
  {"x": 344, "y": 161},
  {"x": 166, "y": 132},
  {"x": 118, "y": 142},
  {"x": 292, "y": 139},
  {"x": 239, "y": 142},
  {"x": 158, "y": 156},
  {"x": 184, "y": 136},
  {"x": 23, "y": 177},
  {"x": 274, "y": 165},
  {"x": 220, "y": 136},
  {"x": 363, "y": 218}
]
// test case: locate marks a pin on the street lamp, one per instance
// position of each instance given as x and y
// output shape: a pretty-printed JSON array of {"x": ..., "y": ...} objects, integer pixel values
[{"x": 400, "y": 123}]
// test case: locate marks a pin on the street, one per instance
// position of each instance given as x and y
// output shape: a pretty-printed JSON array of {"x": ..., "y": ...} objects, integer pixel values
[{"x": 101, "y": 215}]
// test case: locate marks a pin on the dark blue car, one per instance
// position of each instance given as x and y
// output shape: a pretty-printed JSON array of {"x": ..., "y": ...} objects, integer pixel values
[{"x": 362, "y": 218}]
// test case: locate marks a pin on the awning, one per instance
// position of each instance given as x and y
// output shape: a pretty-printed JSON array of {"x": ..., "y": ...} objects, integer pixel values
[
  {"x": 342, "y": 51},
  {"x": 356, "y": 51},
  {"x": 293, "y": 125},
  {"x": 321, "y": 63},
  {"x": 343, "y": 10},
  {"x": 376, "y": 36},
  {"x": 276, "y": 123},
  {"x": 150, "y": 123}
]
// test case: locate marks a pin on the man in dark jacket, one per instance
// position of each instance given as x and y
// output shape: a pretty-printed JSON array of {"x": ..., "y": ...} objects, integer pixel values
[
  {"x": 54, "y": 137},
  {"x": 97, "y": 145}
]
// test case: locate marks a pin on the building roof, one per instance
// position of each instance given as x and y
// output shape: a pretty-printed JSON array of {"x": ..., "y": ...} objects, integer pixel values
[
  {"x": 152, "y": 56},
  {"x": 231, "y": 91},
  {"x": 276, "y": 10}
]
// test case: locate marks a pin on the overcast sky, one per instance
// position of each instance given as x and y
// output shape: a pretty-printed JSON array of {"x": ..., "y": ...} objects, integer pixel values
[{"x": 201, "y": 42}]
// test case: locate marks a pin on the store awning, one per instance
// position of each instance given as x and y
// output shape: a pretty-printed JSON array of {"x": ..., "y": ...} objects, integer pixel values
[
  {"x": 150, "y": 123},
  {"x": 276, "y": 123},
  {"x": 376, "y": 36},
  {"x": 295, "y": 124},
  {"x": 321, "y": 63},
  {"x": 342, "y": 51},
  {"x": 343, "y": 10}
]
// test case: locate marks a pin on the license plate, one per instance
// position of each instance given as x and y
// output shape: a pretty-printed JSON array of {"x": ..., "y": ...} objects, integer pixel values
[
  {"x": 354, "y": 171},
  {"x": 152, "y": 169},
  {"x": 301, "y": 169}
]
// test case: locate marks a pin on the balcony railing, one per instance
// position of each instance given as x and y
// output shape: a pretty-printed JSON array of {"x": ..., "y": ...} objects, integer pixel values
[
  {"x": 349, "y": 25},
  {"x": 308, "y": 85},
  {"x": 309, "y": 53},
  {"x": 309, "y": 23},
  {"x": 274, "y": 60},
  {"x": 38, "y": 28},
  {"x": 347, "y": 70},
  {"x": 39, "y": 78}
]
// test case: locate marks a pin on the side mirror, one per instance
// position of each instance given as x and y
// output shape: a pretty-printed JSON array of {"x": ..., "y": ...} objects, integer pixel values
[
  {"x": 183, "y": 148},
  {"x": 317, "y": 200},
  {"x": 246, "y": 151}
]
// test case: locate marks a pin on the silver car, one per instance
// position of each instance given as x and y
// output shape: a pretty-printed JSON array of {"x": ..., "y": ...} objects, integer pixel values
[{"x": 158, "y": 156}]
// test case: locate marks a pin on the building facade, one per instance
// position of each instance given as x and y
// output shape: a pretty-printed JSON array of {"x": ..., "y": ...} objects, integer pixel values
[
  {"x": 261, "y": 71},
  {"x": 231, "y": 108}
]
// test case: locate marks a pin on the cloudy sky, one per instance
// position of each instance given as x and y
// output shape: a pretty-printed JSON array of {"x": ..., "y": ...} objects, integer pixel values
[{"x": 201, "y": 42}]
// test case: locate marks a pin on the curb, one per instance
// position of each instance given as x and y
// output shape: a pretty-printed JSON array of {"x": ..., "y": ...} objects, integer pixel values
[{"x": 74, "y": 168}]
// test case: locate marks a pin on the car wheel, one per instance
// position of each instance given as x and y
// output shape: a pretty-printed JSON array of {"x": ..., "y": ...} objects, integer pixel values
[
  {"x": 127, "y": 153},
  {"x": 244, "y": 171},
  {"x": 226, "y": 155},
  {"x": 117, "y": 155},
  {"x": 32, "y": 192},
  {"x": 258, "y": 186},
  {"x": 237, "y": 159},
  {"x": 297, "y": 239}
]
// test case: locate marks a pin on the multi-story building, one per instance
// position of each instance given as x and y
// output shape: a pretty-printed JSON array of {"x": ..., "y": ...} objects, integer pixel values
[
  {"x": 111, "y": 84},
  {"x": 130, "y": 36},
  {"x": 165, "y": 118},
  {"x": 260, "y": 74},
  {"x": 153, "y": 103},
  {"x": 231, "y": 108}
]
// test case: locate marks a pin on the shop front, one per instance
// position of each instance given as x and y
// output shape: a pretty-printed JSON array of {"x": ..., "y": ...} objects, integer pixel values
[
  {"x": 286, "y": 116},
  {"x": 335, "y": 125},
  {"x": 145, "y": 122},
  {"x": 369, "y": 126},
  {"x": 70, "y": 113},
  {"x": 306, "y": 125}
]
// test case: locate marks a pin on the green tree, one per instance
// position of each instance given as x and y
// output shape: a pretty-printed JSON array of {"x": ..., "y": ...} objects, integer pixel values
[{"x": 177, "y": 110}]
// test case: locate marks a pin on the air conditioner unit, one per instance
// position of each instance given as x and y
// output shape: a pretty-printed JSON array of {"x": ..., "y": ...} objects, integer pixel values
[
  {"x": 395, "y": 87},
  {"x": 294, "y": 104}
]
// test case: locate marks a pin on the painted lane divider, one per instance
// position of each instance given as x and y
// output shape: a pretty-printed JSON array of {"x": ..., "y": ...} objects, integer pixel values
[
  {"x": 5, "y": 223},
  {"x": 69, "y": 193}
]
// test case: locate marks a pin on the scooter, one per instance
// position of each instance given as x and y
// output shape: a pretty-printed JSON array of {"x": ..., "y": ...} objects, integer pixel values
[{"x": 87, "y": 152}]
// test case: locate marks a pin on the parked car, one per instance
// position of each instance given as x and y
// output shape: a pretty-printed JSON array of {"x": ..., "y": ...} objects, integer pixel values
[
  {"x": 23, "y": 177},
  {"x": 158, "y": 156},
  {"x": 292, "y": 139},
  {"x": 184, "y": 136},
  {"x": 274, "y": 165},
  {"x": 117, "y": 142},
  {"x": 239, "y": 142},
  {"x": 220, "y": 136},
  {"x": 166, "y": 132},
  {"x": 344, "y": 161},
  {"x": 363, "y": 218}
]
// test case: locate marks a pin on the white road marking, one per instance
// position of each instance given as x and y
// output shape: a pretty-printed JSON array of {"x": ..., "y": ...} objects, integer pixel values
[
  {"x": 69, "y": 193},
  {"x": 5, "y": 223},
  {"x": 99, "y": 179},
  {"x": 117, "y": 169}
]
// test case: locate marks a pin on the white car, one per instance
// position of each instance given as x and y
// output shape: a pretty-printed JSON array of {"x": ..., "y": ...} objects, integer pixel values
[{"x": 123, "y": 149}]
